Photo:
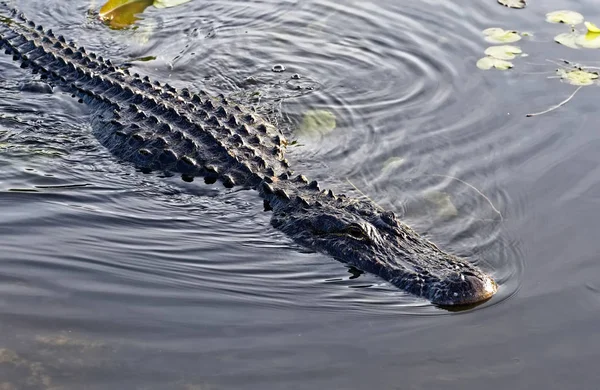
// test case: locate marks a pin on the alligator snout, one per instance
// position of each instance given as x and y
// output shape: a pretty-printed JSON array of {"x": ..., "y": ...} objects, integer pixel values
[{"x": 463, "y": 288}]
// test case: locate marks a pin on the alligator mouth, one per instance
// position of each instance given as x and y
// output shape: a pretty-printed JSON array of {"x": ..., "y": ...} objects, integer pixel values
[{"x": 462, "y": 289}]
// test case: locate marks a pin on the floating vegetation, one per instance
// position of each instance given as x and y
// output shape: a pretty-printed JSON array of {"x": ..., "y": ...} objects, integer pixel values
[
  {"x": 564, "y": 16},
  {"x": 577, "y": 40},
  {"x": 504, "y": 52},
  {"x": 498, "y": 56},
  {"x": 487, "y": 63},
  {"x": 442, "y": 202},
  {"x": 513, "y": 3},
  {"x": 578, "y": 76},
  {"x": 591, "y": 27},
  {"x": 499, "y": 35},
  {"x": 575, "y": 75},
  {"x": 119, "y": 14},
  {"x": 317, "y": 122}
]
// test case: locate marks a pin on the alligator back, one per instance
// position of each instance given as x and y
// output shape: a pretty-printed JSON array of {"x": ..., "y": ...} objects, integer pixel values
[{"x": 153, "y": 125}]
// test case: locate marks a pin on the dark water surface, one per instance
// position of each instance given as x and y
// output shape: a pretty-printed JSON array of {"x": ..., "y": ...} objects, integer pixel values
[{"x": 115, "y": 279}]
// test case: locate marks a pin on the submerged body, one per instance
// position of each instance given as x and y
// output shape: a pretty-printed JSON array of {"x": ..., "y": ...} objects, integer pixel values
[{"x": 156, "y": 127}]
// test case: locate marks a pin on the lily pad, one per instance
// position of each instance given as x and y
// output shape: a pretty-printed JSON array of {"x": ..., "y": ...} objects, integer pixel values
[
  {"x": 568, "y": 39},
  {"x": 577, "y": 40},
  {"x": 119, "y": 14},
  {"x": 513, "y": 3},
  {"x": 168, "y": 3},
  {"x": 564, "y": 16},
  {"x": 591, "y": 40},
  {"x": 591, "y": 27},
  {"x": 317, "y": 122},
  {"x": 488, "y": 62},
  {"x": 578, "y": 77},
  {"x": 504, "y": 52},
  {"x": 499, "y": 35}
]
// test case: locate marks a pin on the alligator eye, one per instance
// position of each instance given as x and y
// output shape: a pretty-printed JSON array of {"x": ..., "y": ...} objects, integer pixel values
[{"x": 356, "y": 232}]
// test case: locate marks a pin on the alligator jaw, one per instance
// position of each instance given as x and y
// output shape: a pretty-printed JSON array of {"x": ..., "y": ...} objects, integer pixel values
[{"x": 464, "y": 290}]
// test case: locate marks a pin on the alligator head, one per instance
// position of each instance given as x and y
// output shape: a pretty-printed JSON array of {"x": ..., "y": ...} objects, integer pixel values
[{"x": 372, "y": 240}]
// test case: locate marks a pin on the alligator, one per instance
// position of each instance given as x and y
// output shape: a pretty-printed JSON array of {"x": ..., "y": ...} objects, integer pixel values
[{"x": 156, "y": 127}]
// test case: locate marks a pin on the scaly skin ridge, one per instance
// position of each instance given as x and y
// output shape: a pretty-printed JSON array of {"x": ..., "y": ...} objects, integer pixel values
[{"x": 72, "y": 60}]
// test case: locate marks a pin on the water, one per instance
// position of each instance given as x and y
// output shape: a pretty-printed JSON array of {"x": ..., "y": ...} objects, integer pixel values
[{"x": 111, "y": 278}]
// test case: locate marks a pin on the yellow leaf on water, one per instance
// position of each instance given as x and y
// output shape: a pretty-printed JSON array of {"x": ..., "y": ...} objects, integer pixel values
[
  {"x": 120, "y": 14},
  {"x": 592, "y": 28}
]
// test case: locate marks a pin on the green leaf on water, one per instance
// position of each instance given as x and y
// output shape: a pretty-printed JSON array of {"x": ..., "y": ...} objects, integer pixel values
[
  {"x": 317, "y": 122},
  {"x": 578, "y": 77},
  {"x": 564, "y": 16},
  {"x": 488, "y": 62},
  {"x": 513, "y": 3},
  {"x": 499, "y": 35},
  {"x": 504, "y": 52}
]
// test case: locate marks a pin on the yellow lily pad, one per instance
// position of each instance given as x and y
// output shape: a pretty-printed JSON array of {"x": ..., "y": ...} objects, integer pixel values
[
  {"x": 499, "y": 35},
  {"x": 591, "y": 40},
  {"x": 578, "y": 77},
  {"x": 564, "y": 16},
  {"x": 504, "y": 52},
  {"x": 119, "y": 14},
  {"x": 488, "y": 62},
  {"x": 591, "y": 27},
  {"x": 317, "y": 122},
  {"x": 513, "y": 3}
]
